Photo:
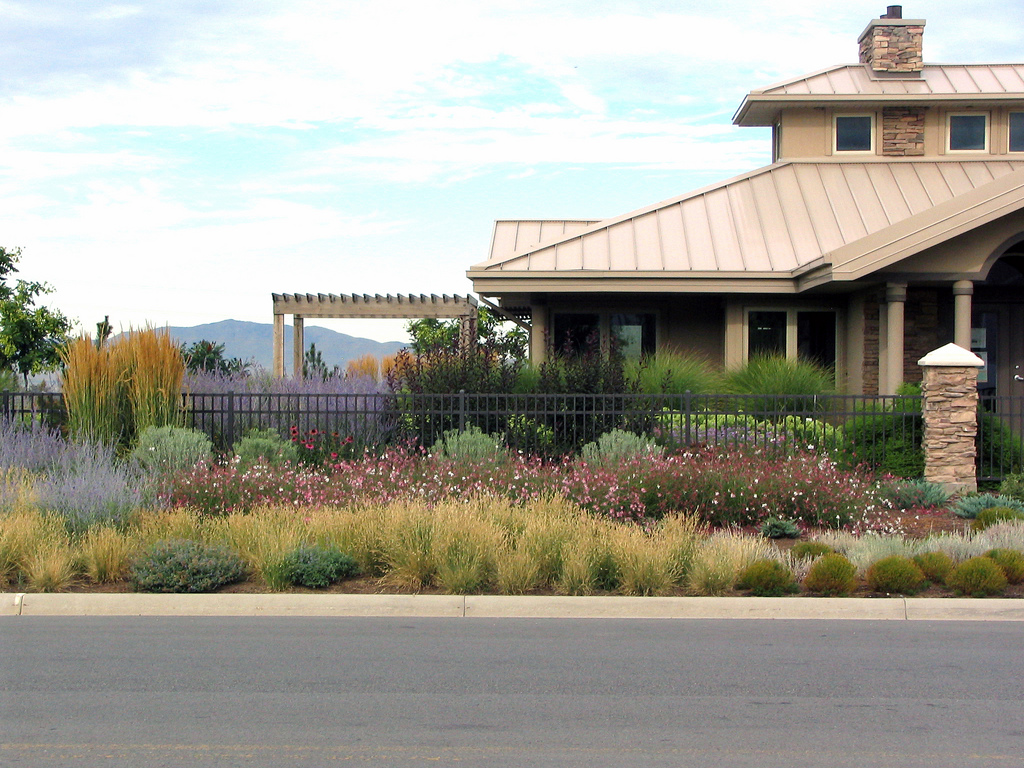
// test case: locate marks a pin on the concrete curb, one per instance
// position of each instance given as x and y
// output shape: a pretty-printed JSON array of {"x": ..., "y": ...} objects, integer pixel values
[{"x": 500, "y": 606}]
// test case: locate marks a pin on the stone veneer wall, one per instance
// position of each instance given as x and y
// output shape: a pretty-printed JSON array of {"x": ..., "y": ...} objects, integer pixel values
[
  {"x": 893, "y": 48},
  {"x": 950, "y": 426},
  {"x": 920, "y": 328},
  {"x": 872, "y": 306},
  {"x": 902, "y": 131}
]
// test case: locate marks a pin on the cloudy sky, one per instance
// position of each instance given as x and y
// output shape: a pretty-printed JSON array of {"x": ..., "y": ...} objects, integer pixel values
[{"x": 177, "y": 161}]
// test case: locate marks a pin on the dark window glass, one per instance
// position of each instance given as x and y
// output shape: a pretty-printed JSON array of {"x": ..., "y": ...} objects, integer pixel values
[
  {"x": 853, "y": 134},
  {"x": 967, "y": 132},
  {"x": 574, "y": 333},
  {"x": 1017, "y": 131},
  {"x": 816, "y": 337},
  {"x": 633, "y": 334},
  {"x": 766, "y": 333}
]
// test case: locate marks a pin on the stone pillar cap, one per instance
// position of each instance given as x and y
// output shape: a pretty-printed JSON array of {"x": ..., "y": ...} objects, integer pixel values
[{"x": 952, "y": 356}]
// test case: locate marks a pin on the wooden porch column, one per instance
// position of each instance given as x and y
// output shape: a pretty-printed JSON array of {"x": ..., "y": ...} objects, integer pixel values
[
  {"x": 279, "y": 346},
  {"x": 538, "y": 333},
  {"x": 962, "y": 292},
  {"x": 895, "y": 300},
  {"x": 298, "y": 345}
]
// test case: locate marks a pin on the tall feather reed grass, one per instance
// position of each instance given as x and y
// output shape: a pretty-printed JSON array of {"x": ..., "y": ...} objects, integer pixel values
[
  {"x": 94, "y": 385},
  {"x": 115, "y": 390},
  {"x": 156, "y": 372}
]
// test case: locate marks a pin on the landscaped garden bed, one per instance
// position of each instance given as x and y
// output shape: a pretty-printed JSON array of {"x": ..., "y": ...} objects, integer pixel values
[{"x": 468, "y": 516}]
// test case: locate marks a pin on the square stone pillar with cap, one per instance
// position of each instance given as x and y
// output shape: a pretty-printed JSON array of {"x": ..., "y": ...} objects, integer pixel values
[{"x": 950, "y": 407}]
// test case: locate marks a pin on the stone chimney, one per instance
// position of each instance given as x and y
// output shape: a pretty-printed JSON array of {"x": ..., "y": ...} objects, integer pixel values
[{"x": 892, "y": 44}]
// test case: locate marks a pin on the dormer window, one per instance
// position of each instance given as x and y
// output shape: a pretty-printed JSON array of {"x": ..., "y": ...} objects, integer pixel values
[
  {"x": 854, "y": 133},
  {"x": 968, "y": 132},
  {"x": 1017, "y": 131}
]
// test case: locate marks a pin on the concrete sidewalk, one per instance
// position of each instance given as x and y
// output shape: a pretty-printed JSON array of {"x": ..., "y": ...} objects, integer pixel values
[{"x": 501, "y": 606}]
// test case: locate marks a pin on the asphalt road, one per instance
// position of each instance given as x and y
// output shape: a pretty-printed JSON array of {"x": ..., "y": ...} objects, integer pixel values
[{"x": 508, "y": 692}]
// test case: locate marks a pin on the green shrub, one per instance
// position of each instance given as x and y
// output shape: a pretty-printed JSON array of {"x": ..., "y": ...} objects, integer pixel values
[
  {"x": 617, "y": 446},
  {"x": 895, "y": 574},
  {"x": 934, "y": 565},
  {"x": 768, "y": 578},
  {"x": 1000, "y": 452},
  {"x": 969, "y": 506},
  {"x": 887, "y": 437},
  {"x": 1013, "y": 486},
  {"x": 992, "y": 515},
  {"x": 805, "y": 550},
  {"x": 915, "y": 494},
  {"x": 1011, "y": 561},
  {"x": 316, "y": 567},
  {"x": 776, "y": 528},
  {"x": 977, "y": 577},
  {"x": 471, "y": 444},
  {"x": 185, "y": 566},
  {"x": 529, "y": 435},
  {"x": 168, "y": 450},
  {"x": 831, "y": 575},
  {"x": 265, "y": 446}
]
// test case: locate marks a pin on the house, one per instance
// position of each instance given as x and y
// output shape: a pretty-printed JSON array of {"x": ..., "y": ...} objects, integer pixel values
[{"x": 890, "y": 222}]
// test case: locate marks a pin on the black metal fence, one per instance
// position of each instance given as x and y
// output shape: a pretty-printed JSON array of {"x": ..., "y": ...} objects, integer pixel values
[
  {"x": 883, "y": 432},
  {"x": 1000, "y": 433}
]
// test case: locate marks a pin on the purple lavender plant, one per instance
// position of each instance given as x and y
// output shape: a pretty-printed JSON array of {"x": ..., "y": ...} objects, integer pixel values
[
  {"x": 33, "y": 447},
  {"x": 353, "y": 408}
]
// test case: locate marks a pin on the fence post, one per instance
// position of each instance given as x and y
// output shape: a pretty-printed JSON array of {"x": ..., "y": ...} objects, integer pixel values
[
  {"x": 950, "y": 409},
  {"x": 687, "y": 410},
  {"x": 462, "y": 410},
  {"x": 230, "y": 427}
]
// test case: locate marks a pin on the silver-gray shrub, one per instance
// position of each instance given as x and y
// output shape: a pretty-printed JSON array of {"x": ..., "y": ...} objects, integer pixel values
[
  {"x": 471, "y": 445},
  {"x": 90, "y": 485},
  {"x": 618, "y": 446},
  {"x": 1007, "y": 535},
  {"x": 165, "y": 451}
]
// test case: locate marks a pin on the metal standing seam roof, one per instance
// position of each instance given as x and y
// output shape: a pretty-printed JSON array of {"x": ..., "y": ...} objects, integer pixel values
[
  {"x": 852, "y": 83},
  {"x": 774, "y": 222},
  {"x": 933, "y": 80}
]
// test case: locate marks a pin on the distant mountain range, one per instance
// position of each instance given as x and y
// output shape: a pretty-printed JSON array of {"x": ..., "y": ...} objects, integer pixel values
[{"x": 256, "y": 341}]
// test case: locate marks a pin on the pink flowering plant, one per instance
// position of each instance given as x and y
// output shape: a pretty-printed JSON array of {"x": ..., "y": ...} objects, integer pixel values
[{"x": 726, "y": 488}]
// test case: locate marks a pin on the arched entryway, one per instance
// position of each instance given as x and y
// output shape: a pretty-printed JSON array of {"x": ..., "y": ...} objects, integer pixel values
[{"x": 997, "y": 327}]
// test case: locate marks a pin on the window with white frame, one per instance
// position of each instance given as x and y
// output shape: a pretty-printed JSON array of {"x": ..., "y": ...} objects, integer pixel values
[
  {"x": 1016, "y": 132},
  {"x": 854, "y": 133},
  {"x": 967, "y": 132},
  {"x": 807, "y": 334}
]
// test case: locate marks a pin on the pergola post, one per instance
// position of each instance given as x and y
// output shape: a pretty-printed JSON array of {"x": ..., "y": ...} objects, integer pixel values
[
  {"x": 279, "y": 345},
  {"x": 298, "y": 345}
]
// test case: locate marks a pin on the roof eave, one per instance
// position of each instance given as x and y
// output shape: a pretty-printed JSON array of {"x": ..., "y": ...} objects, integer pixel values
[{"x": 759, "y": 110}]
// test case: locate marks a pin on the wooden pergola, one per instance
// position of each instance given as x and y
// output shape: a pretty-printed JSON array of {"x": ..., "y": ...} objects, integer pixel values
[{"x": 329, "y": 305}]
